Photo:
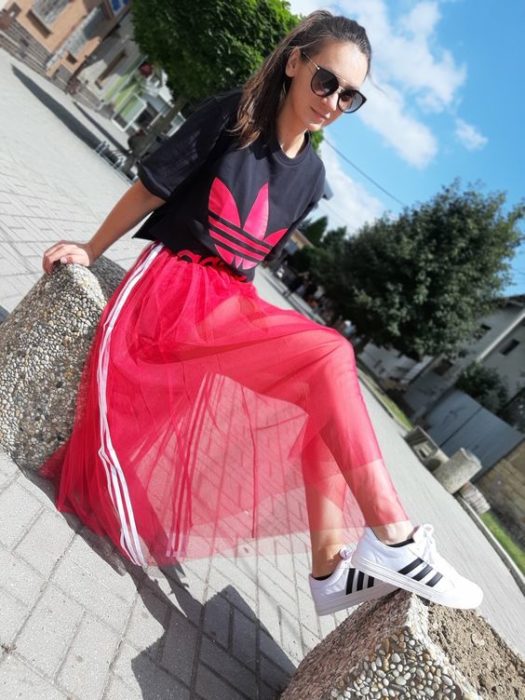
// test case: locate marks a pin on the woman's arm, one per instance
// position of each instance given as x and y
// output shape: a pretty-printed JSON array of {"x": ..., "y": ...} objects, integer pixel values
[{"x": 131, "y": 208}]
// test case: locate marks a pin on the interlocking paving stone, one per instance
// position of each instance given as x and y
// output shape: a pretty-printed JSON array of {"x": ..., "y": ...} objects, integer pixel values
[
  {"x": 18, "y": 509},
  {"x": 49, "y": 631},
  {"x": 118, "y": 690},
  {"x": 227, "y": 667},
  {"x": 209, "y": 685},
  {"x": 180, "y": 647},
  {"x": 13, "y": 614},
  {"x": 39, "y": 549},
  {"x": 86, "y": 667},
  {"x": 83, "y": 586},
  {"x": 17, "y": 680},
  {"x": 19, "y": 579},
  {"x": 148, "y": 622},
  {"x": 138, "y": 671}
]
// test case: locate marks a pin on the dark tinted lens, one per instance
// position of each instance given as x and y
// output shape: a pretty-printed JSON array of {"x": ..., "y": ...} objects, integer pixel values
[
  {"x": 324, "y": 83},
  {"x": 350, "y": 100}
]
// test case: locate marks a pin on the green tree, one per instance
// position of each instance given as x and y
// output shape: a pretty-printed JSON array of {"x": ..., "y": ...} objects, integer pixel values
[
  {"x": 213, "y": 47},
  {"x": 419, "y": 282},
  {"x": 317, "y": 139},
  {"x": 485, "y": 385},
  {"x": 211, "y": 50},
  {"x": 315, "y": 230},
  {"x": 321, "y": 261}
]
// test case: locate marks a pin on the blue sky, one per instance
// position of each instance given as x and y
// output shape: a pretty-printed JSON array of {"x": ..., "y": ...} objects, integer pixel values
[{"x": 451, "y": 104}]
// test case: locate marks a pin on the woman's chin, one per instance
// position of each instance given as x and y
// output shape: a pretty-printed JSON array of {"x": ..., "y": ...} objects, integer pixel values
[{"x": 315, "y": 125}]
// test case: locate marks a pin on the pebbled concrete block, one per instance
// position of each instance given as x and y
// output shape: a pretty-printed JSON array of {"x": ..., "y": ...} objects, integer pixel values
[
  {"x": 383, "y": 650},
  {"x": 43, "y": 347}
]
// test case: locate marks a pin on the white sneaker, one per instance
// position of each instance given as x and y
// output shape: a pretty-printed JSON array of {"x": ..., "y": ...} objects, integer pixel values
[
  {"x": 418, "y": 568},
  {"x": 345, "y": 587}
]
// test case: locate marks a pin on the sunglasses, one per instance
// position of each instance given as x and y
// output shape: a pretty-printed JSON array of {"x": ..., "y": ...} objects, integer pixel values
[{"x": 324, "y": 83}]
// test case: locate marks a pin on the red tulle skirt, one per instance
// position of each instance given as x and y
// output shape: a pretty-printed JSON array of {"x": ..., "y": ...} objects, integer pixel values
[{"x": 207, "y": 418}]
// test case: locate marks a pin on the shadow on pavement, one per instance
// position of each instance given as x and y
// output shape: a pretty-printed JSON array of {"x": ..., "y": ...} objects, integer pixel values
[
  {"x": 219, "y": 649},
  {"x": 109, "y": 137},
  {"x": 71, "y": 122},
  {"x": 211, "y": 646}
]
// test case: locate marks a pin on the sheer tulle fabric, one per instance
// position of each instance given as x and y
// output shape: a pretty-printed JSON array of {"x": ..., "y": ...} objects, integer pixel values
[{"x": 207, "y": 418}]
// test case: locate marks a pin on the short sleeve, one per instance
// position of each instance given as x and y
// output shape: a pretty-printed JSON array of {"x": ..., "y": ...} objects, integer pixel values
[
  {"x": 188, "y": 148},
  {"x": 317, "y": 193}
]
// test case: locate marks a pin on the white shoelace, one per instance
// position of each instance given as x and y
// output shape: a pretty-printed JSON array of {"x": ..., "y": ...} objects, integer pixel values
[
  {"x": 429, "y": 550},
  {"x": 430, "y": 553}
]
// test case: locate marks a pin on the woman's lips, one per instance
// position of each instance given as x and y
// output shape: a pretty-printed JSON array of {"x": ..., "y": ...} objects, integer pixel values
[{"x": 319, "y": 116}]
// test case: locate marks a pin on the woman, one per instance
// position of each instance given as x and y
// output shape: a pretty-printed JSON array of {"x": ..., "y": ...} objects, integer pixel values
[{"x": 207, "y": 417}]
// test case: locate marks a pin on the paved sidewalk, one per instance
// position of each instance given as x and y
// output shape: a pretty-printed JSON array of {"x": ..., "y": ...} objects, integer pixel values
[{"x": 75, "y": 622}]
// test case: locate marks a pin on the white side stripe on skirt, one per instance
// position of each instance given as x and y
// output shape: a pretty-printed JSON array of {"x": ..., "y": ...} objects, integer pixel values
[{"x": 117, "y": 486}]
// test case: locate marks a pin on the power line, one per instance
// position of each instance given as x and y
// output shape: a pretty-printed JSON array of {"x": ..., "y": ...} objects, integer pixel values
[
  {"x": 333, "y": 211},
  {"x": 362, "y": 172}
]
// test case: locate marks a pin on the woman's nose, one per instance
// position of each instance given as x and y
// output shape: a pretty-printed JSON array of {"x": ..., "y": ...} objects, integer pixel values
[{"x": 331, "y": 101}]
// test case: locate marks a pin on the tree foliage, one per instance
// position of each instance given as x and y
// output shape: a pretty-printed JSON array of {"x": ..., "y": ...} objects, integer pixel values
[
  {"x": 485, "y": 385},
  {"x": 315, "y": 230},
  {"x": 419, "y": 282},
  {"x": 211, "y": 47},
  {"x": 320, "y": 260}
]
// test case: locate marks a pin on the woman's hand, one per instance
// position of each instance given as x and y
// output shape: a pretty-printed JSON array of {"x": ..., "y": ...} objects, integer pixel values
[{"x": 67, "y": 252}]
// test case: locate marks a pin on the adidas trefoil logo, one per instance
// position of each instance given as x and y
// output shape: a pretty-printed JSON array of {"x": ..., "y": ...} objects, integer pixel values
[{"x": 242, "y": 246}]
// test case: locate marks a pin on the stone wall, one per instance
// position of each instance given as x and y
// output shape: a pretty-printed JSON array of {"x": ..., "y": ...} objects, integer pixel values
[{"x": 504, "y": 488}]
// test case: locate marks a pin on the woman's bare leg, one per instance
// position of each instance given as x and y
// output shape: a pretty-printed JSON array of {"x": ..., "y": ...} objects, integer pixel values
[
  {"x": 326, "y": 512},
  {"x": 326, "y": 532},
  {"x": 394, "y": 532}
]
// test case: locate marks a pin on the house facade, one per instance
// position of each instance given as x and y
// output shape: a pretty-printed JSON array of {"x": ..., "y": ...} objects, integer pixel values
[
  {"x": 498, "y": 343},
  {"x": 119, "y": 81},
  {"x": 56, "y": 37}
]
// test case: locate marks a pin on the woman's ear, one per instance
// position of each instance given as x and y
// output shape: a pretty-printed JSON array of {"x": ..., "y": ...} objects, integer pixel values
[{"x": 292, "y": 64}]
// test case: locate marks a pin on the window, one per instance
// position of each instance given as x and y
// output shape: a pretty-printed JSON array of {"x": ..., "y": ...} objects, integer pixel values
[
  {"x": 48, "y": 10},
  {"x": 443, "y": 366},
  {"x": 480, "y": 332},
  {"x": 13, "y": 11},
  {"x": 509, "y": 347},
  {"x": 110, "y": 68}
]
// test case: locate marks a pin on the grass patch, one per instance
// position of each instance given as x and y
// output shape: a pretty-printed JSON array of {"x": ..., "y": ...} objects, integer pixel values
[
  {"x": 513, "y": 549},
  {"x": 387, "y": 402}
]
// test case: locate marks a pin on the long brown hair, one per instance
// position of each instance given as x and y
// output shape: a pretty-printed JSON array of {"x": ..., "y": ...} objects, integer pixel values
[{"x": 263, "y": 92}]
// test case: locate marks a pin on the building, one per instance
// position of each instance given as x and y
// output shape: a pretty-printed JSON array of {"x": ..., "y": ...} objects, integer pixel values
[
  {"x": 56, "y": 37},
  {"x": 498, "y": 343},
  {"x": 119, "y": 81}
]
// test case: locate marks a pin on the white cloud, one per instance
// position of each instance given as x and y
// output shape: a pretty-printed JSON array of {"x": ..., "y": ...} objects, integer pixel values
[
  {"x": 352, "y": 205},
  {"x": 417, "y": 75},
  {"x": 406, "y": 52},
  {"x": 469, "y": 136},
  {"x": 386, "y": 113},
  {"x": 304, "y": 7}
]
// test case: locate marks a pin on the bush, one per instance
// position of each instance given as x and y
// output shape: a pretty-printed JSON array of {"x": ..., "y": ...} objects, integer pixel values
[{"x": 485, "y": 385}]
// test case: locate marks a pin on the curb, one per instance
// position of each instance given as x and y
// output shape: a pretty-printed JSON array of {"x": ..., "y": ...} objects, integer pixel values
[
  {"x": 364, "y": 378},
  {"x": 505, "y": 558}
]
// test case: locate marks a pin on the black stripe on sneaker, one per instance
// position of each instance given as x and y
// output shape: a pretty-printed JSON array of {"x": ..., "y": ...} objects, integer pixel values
[
  {"x": 410, "y": 567},
  {"x": 350, "y": 580},
  {"x": 360, "y": 581},
  {"x": 424, "y": 571},
  {"x": 370, "y": 582},
  {"x": 435, "y": 579}
]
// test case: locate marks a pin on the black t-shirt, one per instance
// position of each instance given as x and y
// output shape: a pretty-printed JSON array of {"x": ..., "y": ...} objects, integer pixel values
[{"x": 221, "y": 200}]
